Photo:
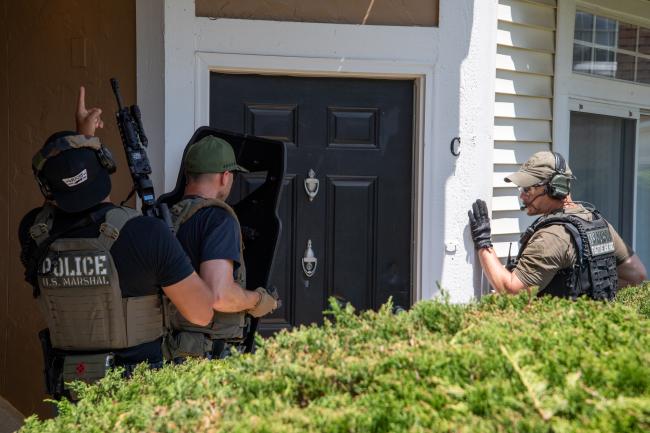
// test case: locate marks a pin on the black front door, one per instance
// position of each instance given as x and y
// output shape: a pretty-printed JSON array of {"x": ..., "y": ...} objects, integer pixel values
[{"x": 347, "y": 193}]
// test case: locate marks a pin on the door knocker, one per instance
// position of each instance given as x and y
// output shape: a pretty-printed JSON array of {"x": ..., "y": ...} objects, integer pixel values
[
  {"x": 309, "y": 261},
  {"x": 311, "y": 185}
]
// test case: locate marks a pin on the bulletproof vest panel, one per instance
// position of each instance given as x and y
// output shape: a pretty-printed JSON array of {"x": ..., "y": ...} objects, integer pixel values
[
  {"x": 81, "y": 297},
  {"x": 144, "y": 319},
  {"x": 224, "y": 326},
  {"x": 594, "y": 273}
]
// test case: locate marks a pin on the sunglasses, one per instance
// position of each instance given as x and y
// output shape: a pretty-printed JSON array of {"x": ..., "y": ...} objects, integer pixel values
[{"x": 526, "y": 189}]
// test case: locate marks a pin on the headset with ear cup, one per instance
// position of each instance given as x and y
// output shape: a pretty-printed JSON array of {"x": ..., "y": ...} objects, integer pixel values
[
  {"x": 106, "y": 159},
  {"x": 64, "y": 143},
  {"x": 559, "y": 186}
]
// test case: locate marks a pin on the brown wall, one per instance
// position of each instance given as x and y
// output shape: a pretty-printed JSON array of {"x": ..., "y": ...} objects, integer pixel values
[
  {"x": 382, "y": 12},
  {"x": 47, "y": 49}
]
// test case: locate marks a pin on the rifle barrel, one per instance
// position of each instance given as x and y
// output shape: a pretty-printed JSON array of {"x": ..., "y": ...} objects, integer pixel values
[{"x": 116, "y": 90}]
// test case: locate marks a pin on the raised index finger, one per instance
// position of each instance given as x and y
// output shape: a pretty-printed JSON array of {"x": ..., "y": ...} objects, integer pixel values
[{"x": 81, "y": 101}]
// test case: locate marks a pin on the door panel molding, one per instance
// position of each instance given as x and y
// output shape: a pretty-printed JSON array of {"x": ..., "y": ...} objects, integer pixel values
[
  {"x": 256, "y": 121},
  {"x": 344, "y": 246},
  {"x": 353, "y": 128}
]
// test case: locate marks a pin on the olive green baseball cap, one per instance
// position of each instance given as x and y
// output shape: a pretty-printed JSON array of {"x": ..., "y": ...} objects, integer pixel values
[
  {"x": 536, "y": 170},
  {"x": 211, "y": 155}
]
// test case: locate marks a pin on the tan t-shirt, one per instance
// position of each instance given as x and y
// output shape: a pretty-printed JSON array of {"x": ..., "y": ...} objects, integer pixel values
[{"x": 551, "y": 249}]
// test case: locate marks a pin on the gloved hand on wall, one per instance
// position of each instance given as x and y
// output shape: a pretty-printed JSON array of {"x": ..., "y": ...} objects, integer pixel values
[{"x": 479, "y": 223}]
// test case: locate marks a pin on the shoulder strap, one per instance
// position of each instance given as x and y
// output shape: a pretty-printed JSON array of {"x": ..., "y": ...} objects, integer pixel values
[
  {"x": 179, "y": 212},
  {"x": 185, "y": 209},
  {"x": 40, "y": 230},
  {"x": 570, "y": 223},
  {"x": 115, "y": 219}
]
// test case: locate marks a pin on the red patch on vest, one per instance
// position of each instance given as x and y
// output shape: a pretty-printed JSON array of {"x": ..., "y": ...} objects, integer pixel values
[{"x": 81, "y": 369}]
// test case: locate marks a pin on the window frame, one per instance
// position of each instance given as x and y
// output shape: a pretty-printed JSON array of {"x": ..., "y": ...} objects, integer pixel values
[
  {"x": 646, "y": 113},
  {"x": 593, "y": 45}
]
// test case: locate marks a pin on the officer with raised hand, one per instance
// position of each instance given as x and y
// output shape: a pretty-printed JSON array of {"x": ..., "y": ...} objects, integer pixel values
[
  {"x": 210, "y": 233},
  {"x": 98, "y": 269},
  {"x": 569, "y": 251}
]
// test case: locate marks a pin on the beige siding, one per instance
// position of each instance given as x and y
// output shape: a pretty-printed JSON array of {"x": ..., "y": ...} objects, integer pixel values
[
  {"x": 521, "y": 60},
  {"x": 523, "y": 105},
  {"x": 384, "y": 12},
  {"x": 512, "y": 152},
  {"x": 507, "y": 203},
  {"x": 522, "y": 130},
  {"x": 515, "y": 83},
  {"x": 519, "y": 36},
  {"x": 527, "y": 13}
]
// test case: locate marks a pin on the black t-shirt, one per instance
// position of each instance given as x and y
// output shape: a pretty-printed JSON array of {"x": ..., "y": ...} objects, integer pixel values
[
  {"x": 211, "y": 233},
  {"x": 146, "y": 255}
]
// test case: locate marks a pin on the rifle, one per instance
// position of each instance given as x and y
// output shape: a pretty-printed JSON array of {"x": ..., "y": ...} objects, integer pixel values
[{"x": 129, "y": 122}]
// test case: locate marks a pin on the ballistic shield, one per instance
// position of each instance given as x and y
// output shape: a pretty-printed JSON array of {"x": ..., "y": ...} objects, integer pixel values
[{"x": 257, "y": 211}]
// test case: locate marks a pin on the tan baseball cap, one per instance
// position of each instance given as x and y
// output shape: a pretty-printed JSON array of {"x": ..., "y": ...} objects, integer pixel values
[{"x": 539, "y": 168}]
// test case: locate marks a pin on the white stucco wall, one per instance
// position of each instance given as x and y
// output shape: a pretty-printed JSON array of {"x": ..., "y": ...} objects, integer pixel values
[
  {"x": 454, "y": 65},
  {"x": 464, "y": 107}
]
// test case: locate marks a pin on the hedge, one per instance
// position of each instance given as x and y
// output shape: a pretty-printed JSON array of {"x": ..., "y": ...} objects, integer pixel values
[{"x": 504, "y": 364}]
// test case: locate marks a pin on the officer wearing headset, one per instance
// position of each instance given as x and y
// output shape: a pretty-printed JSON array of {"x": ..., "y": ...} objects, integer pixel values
[
  {"x": 98, "y": 270},
  {"x": 569, "y": 251}
]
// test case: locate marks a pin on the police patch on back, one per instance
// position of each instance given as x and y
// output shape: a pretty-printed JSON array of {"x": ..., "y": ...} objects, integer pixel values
[
  {"x": 600, "y": 241},
  {"x": 75, "y": 269}
]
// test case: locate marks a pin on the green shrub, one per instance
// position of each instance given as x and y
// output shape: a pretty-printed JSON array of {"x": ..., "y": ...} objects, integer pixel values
[
  {"x": 636, "y": 297},
  {"x": 504, "y": 364}
]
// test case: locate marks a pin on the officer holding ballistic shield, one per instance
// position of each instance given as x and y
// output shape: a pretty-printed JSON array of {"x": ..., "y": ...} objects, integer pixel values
[{"x": 209, "y": 231}]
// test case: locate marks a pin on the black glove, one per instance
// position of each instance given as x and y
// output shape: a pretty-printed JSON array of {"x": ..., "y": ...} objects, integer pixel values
[{"x": 479, "y": 224}]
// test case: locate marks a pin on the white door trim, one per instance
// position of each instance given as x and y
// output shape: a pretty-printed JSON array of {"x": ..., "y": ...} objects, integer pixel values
[
  {"x": 207, "y": 62},
  {"x": 585, "y": 105}
]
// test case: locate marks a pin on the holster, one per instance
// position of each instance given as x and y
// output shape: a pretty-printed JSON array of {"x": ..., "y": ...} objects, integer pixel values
[
  {"x": 52, "y": 366},
  {"x": 61, "y": 367}
]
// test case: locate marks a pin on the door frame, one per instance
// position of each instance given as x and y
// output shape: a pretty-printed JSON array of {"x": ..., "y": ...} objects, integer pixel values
[
  {"x": 421, "y": 74},
  {"x": 583, "y": 105}
]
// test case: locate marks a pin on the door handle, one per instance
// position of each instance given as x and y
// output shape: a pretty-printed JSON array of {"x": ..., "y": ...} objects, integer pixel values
[{"x": 309, "y": 261}]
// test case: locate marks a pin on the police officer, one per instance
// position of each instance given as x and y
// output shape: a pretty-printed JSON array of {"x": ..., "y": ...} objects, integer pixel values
[
  {"x": 209, "y": 231},
  {"x": 97, "y": 269},
  {"x": 569, "y": 251}
]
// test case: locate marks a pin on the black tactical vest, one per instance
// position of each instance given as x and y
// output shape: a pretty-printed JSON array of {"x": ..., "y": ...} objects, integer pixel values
[{"x": 594, "y": 272}]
